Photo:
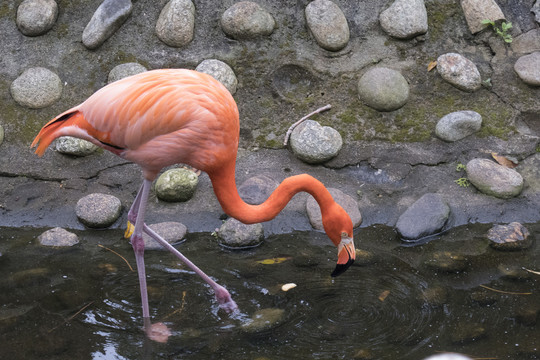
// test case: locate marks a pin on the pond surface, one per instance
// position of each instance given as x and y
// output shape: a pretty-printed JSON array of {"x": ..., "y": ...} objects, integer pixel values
[{"x": 83, "y": 302}]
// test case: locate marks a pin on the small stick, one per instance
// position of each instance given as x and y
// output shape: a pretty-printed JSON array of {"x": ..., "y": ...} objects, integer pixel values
[
  {"x": 506, "y": 292},
  {"x": 71, "y": 317},
  {"x": 319, "y": 110},
  {"x": 114, "y": 252}
]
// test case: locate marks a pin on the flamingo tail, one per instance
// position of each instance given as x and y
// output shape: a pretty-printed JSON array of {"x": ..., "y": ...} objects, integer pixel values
[{"x": 50, "y": 131}]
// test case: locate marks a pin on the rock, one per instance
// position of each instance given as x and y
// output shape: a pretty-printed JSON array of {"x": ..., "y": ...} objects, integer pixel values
[
  {"x": 536, "y": 11},
  {"x": 36, "y": 88},
  {"x": 446, "y": 261},
  {"x": 36, "y": 17},
  {"x": 467, "y": 332},
  {"x": 528, "y": 68},
  {"x": 220, "y": 71},
  {"x": 459, "y": 71},
  {"x": 172, "y": 232},
  {"x": 483, "y": 297},
  {"x": 74, "y": 146},
  {"x": 235, "y": 234},
  {"x": 458, "y": 125},
  {"x": 264, "y": 319},
  {"x": 176, "y": 185},
  {"x": 383, "y": 89},
  {"x": 58, "y": 237},
  {"x": 477, "y": 10},
  {"x": 435, "y": 296},
  {"x": 348, "y": 203},
  {"x": 176, "y": 23},
  {"x": 513, "y": 236},
  {"x": 494, "y": 179},
  {"x": 315, "y": 144},
  {"x": 98, "y": 210},
  {"x": 527, "y": 43},
  {"x": 1, "y": 134},
  {"x": 328, "y": 24},
  {"x": 527, "y": 316},
  {"x": 405, "y": 19},
  {"x": 257, "y": 189},
  {"x": 108, "y": 18},
  {"x": 427, "y": 216},
  {"x": 124, "y": 70},
  {"x": 247, "y": 20},
  {"x": 513, "y": 271}
]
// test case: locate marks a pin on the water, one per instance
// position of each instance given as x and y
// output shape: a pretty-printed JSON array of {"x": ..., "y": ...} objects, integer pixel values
[{"x": 83, "y": 302}]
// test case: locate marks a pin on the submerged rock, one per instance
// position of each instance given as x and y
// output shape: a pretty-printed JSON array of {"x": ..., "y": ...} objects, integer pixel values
[
  {"x": 36, "y": 88},
  {"x": 446, "y": 261},
  {"x": 264, "y": 319},
  {"x": 383, "y": 89},
  {"x": 98, "y": 210},
  {"x": 348, "y": 203},
  {"x": 405, "y": 19},
  {"x": 459, "y": 71},
  {"x": 108, "y": 18},
  {"x": 176, "y": 185},
  {"x": 176, "y": 23},
  {"x": 235, "y": 234},
  {"x": 36, "y": 17},
  {"x": 58, "y": 237},
  {"x": 328, "y": 24},
  {"x": 427, "y": 216},
  {"x": 528, "y": 68},
  {"x": 513, "y": 236},
  {"x": 219, "y": 71},
  {"x": 172, "y": 232},
  {"x": 124, "y": 70},
  {"x": 315, "y": 144},
  {"x": 74, "y": 146},
  {"x": 494, "y": 179},
  {"x": 247, "y": 20},
  {"x": 458, "y": 125}
]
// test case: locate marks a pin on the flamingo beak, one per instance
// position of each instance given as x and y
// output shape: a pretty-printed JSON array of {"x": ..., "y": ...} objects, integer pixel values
[{"x": 346, "y": 255}]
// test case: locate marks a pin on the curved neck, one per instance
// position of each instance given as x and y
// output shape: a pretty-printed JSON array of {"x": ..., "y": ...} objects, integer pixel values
[{"x": 224, "y": 183}]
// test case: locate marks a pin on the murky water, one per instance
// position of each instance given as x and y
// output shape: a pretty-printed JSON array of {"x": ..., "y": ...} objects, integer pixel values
[{"x": 83, "y": 302}]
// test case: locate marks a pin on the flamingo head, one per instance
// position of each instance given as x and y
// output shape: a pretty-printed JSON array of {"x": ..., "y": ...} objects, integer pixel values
[{"x": 339, "y": 228}]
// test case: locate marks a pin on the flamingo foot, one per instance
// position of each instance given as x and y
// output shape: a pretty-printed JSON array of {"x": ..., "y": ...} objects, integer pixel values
[
  {"x": 158, "y": 332},
  {"x": 225, "y": 300}
]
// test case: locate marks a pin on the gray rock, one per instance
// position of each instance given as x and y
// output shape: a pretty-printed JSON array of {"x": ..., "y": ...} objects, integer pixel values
[
  {"x": 257, "y": 189},
  {"x": 108, "y": 18},
  {"x": 527, "y": 43},
  {"x": 247, "y": 20},
  {"x": 36, "y": 88},
  {"x": 536, "y": 11},
  {"x": 383, "y": 89},
  {"x": 459, "y": 71},
  {"x": 36, "y": 17},
  {"x": 1, "y": 134},
  {"x": 315, "y": 144},
  {"x": 494, "y": 179},
  {"x": 220, "y": 71},
  {"x": 513, "y": 236},
  {"x": 405, "y": 19},
  {"x": 477, "y": 10},
  {"x": 124, "y": 70},
  {"x": 446, "y": 261},
  {"x": 176, "y": 185},
  {"x": 348, "y": 203},
  {"x": 528, "y": 68},
  {"x": 176, "y": 23},
  {"x": 235, "y": 234},
  {"x": 458, "y": 125},
  {"x": 427, "y": 216},
  {"x": 328, "y": 24},
  {"x": 58, "y": 237},
  {"x": 69, "y": 145},
  {"x": 264, "y": 320},
  {"x": 172, "y": 232},
  {"x": 98, "y": 210}
]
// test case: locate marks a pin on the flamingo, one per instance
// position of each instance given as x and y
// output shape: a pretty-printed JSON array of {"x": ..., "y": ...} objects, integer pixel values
[{"x": 170, "y": 116}]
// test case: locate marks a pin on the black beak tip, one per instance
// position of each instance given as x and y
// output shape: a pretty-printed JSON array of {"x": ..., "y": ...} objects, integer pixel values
[{"x": 341, "y": 268}]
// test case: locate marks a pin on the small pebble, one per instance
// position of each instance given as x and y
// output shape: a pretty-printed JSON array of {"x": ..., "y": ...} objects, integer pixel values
[
  {"x": 58, "y": 237},
  {"x": 176, "y": 23},
  {"x": 528, "y": 68},
  {"x": 98, "y": 210},
  {"x": 405, "y": 19},
  {"x": 237, "y": 235},
  {"x": 36, "y": 17},
  {"x": 383, "y": 89},
  {"x": 288, "y": 286},
  {"x": 176, "y": 185},
  {"x": 36, "y": 88},
  {"x": 124, "y": 70},
  {"x": 328, "y": 24},
  {"x": 247, "y": 20},
  {"x": 459, "y": 71},
  {"x": 107, "y": 19},
  {"x": 221, "y": 72},
  {"x": 73, "y": 146},
  {"x": 315, "y": 144}
]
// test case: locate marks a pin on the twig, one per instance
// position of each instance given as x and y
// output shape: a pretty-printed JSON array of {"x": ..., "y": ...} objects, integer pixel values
[
  {"x": 319, "y": 110},
  {"x": 181, "y": 306},
  {"x": 114, "y": 252},
  {"x": 532, "y": 272},
  {"x": 71, "y": 317},
  {"x": 506, "y": 292}
]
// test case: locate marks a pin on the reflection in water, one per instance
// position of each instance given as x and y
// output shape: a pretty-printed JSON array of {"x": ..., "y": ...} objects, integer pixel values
[{"x": 84, "y": 302}]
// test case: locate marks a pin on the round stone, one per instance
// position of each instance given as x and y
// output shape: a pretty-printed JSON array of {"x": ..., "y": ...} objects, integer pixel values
[
  {"x": 405, "y": 19},
  {"x": 383, "y": 89},
  {"x": 494, "y": 179},
  {"x": 528, "y": 68},
  {"x": 328, "y": 24},
  {"x": 172, "y": 232},
  {"x": 315, "y": 144},
  {"x": 247, "y": 20},
  {"x": 446, "y": 261},
  {"x": 458, "y": 125},
  {"x": 73, "y": 146},
  {"x": 98, "y": 210},
  {"x": 348, "y": 203},
  {"x": 459, "y": 71},
  {"x": 176, "y": 23},
  {"x": 219, "y": 71},
  {"x": 108, "y": 18},
  {"x": 176, "y": 185},
  {"x": 264, "y": 320},
  {"x": 124, "y": 70},
  {"x": 36, "y": 88},
  {"x": 426, "y": 216},
  {"x": 513, "y": 236},
  {"x": 36, "y": 17},
  {"x": 58, "y": 237},
  {"x": 257, "y": 189},
  {"x": 235, "y": 234}
]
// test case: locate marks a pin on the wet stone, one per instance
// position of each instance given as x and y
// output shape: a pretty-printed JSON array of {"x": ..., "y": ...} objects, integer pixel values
[
  {"x": 513, "y": 272},
  {"x": 528, "y": 68},
  {"x": 124, "y": 70},
  {"x": 172, "y": 232},
  {"x": 494, "y": 179},
  {"x": 98, "y": 210},
  {"x": 219, "y": 71},
  {"x": 348, "y": 203},
  {"x": 69, "y": 145},
  {"x": 36, "y": 88},
  {"x": 36, "y": 17},
  {"x": 435, "y": 297},
  {"x": 467, "y": 332},
  {"x": 483, "y": 297},
  {"x": 383, "y": 89},
  {"x": 176, "y": 185},
  {"x": 176, "y": 23},
  {"x": 108, "y": 18},
  {"x": 247, "y": 20},
  {"x": 328, "y": 24},
  {"x": 58, "y": 237},
  {"x": 315, "y": 144},
  {"x": 235, "y": 234},
  {"x": 405, "y": 19},
  {"x": 364, "y": 257},
  {"x": 257, "y": 189},
  {"x": 527, "y": 316},
  {"x": 427, "y": 216},
  {"x": 513, "y": 236},
  {"x": 476, "y": 11},
  {"x": 264, "y": 319},
  {"x": 446, "y": 261},
  {"x": 459, "y": 71},
  {"x": 458, "y": 125}
]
